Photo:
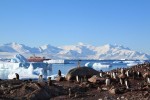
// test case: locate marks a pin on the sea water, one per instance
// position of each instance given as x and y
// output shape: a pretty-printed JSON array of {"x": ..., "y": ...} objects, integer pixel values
[{"x": 74, "y": 63}]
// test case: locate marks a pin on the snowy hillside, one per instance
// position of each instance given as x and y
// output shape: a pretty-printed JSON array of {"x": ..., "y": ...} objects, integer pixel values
[{"x": 79, "y": 51}]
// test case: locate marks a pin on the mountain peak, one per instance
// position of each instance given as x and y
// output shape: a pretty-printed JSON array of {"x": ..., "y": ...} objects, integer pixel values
[
  {"x": 11, "y": 43},
  {"x": 80, "y": 43},
  {"x": 115, "y": 46},
  {"x": 80, "y": 51}
]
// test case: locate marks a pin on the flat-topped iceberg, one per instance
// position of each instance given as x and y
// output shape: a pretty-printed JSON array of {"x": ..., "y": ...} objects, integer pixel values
[{"x": 57, "y": 61}]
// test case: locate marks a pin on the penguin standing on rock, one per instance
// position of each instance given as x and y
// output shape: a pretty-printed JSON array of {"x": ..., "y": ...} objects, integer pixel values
[
  {"x": 49, "y": 81},
  {"x": 114, "y": 75},
  {"x": 101, "y": 73},
  {"x": 127, "y": 73},
  {"x": 148, "y": 80},
  {"x": 107, "y": 81},
  {"x": 122, "y": 77},
  {"x": 59, "y": 73},
  {"x": 17, "y": 76},
  {"x": 134, "y": 74},
  {"x": 139, "y": 74},
  {"x": 126, "y": 83},
  {"x": 69, "y": 90},
  {"x": 40, "y": 78}
]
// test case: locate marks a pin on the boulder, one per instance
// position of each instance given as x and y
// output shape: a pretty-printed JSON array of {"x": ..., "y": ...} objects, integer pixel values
[
  {"x": 81, "y": 72},
  {"x": 112, "y": 91},
  {"x": 59, "y": 78}
]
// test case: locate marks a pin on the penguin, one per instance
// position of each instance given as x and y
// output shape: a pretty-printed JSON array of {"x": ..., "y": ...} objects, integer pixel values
[
  {"x": 127, "y": 73},
  {"x": 69, "y": 90},
  {"x": 134, "y": 74},
  {"x": 101, "y": 73},
  {"x": 17, "y": 76},
  {"x": 122, "y": 71},
  {"x": 107, "y": 81},
  {"x": 126, "y": 83},
  {"x": 111, "y": 74},
  {"x": 121, "y": 78},
  {"x": 139, "y": 74},
  {"x": 77, "y": 78},
  {"x": 40, "y": 79},
  {"x": 114, "y": 75},
  {"x": 59, "y": 73},
  {"x": 148, "y": 80},
  {"x": 121, "y": 81},
  {"x": 49, "y": 81}
]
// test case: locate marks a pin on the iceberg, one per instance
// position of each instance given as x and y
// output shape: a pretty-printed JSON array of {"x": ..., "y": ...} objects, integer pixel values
[
  {"x": 97, "y": 66},
  {"x": 133, "y": 63},
  {"x": 117, "y": 62},
  {"x": 18, "y": 58},
  {"x": 58, "y": 61},
  {"x": 25, "y": 69},
  {"x": 129, "y": 61}
]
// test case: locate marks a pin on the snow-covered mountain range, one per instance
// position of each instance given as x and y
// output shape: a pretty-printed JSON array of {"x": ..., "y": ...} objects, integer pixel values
[{"x": 79, "y": 51}]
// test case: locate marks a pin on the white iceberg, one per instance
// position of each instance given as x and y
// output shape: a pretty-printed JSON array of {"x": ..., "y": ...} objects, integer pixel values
[
  {"x": 58, "y": 61},
  {"x": 97, "y": 66},
  {"x": 18, "y": 58},
  {"x": 133, "y": 63},
  {"x": 25, "y": 69},
  {"x": 117, "y": 62}
]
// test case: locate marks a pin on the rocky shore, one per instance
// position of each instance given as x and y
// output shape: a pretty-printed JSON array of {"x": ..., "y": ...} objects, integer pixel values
[{"x": 119, "y": 84}]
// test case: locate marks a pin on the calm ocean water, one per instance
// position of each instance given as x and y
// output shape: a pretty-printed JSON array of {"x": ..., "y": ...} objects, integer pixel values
[
  {"x": 4, "y": 72},
  {"x": 73, "y": 63}
]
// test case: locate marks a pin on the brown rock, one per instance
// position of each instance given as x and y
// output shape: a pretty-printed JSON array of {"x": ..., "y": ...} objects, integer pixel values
[
  {"x": 59, "y": 78},
  {"x": 38, "y": 94},
  {"x": 112, "y": 91},
  {"x": 93, "y": 79}
]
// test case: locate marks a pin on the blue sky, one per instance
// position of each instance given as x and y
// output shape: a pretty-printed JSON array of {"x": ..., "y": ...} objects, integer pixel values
[{"x": 65, "y": 22}]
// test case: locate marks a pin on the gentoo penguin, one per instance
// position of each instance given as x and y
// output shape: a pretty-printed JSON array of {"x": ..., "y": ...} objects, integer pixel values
[
  {"x": 101, "y": 73},
  {"x": 127, "y": 73},
  {"x": 107, "y": 81},
  {"x": 139, "y": 74},
  {"x": 114, "y": 75},
  {"x": 17, "y": 76},
  {"x": 122, "y": 77},
  {"x": 40, "y": 79},
  {"x": 148, "y": 80},
  {"x": 69, "y": 90},
  {"x": 59, "y": 73},
  {"x": 49, "y": 81},
  {"x": 121, "y": 81},
  {"x": 127, "y": 83},
  {"x": 122, "y": 71},
  {"x": 77, "y": 78}
]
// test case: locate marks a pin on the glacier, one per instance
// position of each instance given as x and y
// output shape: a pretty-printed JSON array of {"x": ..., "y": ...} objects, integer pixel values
[{"x": 19, "y": 64}]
